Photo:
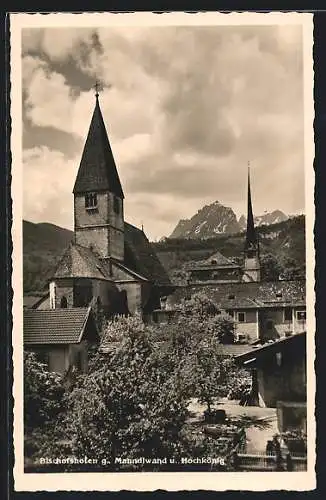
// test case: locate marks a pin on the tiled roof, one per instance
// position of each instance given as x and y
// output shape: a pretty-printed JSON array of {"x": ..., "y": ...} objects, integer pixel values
[
  {"x": 141, "y": 257},
  {"x": 80, "y": 262},
  {"x": 215, "y": 260},
  {"x": 272, "y": 347},
  {"x": 248, "y": 295},
  {"x": 233, "y": 349},
  {"x": 123, "y": 267},
  {"x": 97, "y": 170},
  {"x": 55, "y": 326}
]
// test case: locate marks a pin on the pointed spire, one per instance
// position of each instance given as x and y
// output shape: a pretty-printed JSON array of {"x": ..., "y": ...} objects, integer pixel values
[
  {"x": 97, "y": 169},
  {"x": 251, "y": 236}
]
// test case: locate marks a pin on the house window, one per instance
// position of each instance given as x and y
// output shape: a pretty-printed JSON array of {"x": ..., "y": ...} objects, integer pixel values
[
  {"x": 64, "y": 303},
  {"x": 90, "y": 201},
  {"x": 231, "y": 296},
  {"x": 116, "y": 205},
  {"x": 301, "y": 315},
  {"x": 288, "y": 314},
  {"x": 241, "y": 317}
]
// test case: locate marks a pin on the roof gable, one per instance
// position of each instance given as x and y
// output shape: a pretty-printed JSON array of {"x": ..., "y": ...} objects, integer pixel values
[
  {"x": 97, "y": 169},
  {"x": 57, "y": 326}
]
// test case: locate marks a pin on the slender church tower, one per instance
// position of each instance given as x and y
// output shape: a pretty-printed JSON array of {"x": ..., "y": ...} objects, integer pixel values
[
  {"x": 251, "y": 249},
  {"x": 98, "y": 195}
]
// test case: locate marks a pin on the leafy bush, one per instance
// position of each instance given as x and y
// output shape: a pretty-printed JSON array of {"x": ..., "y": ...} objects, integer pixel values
[{"x": 43, "y": 393}]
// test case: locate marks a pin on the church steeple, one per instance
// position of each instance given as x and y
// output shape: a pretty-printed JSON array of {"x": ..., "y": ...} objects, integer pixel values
[
  {"x": 97, "y": 169},
  {"x": 251, "y": 248},
  {"x": 98, "y": 195},
  {"x": 251, "y": 235}
]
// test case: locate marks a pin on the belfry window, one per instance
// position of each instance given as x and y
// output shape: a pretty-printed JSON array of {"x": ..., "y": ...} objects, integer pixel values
[{"x": 90, "y": 201}]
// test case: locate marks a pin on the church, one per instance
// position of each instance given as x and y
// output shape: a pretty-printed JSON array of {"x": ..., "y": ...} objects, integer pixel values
[
  {"x": 110, "y": 267},
  {"x": 110, "y": 264}
]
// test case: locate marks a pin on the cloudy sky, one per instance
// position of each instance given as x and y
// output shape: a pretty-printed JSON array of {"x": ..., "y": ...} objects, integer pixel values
[{"x": 185, "y": 108}]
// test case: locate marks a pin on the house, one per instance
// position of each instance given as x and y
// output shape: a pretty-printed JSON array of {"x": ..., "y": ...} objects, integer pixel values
[
  {"x": 279, "y": 378},
  {"x": 110, "y": 264},
  {"x": 60, "y": 337},
  {"x": 262, "y": 310},
  {"x": 215, "y": 269}
]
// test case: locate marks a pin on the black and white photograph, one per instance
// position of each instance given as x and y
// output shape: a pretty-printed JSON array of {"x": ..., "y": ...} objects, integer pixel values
[{"x": 163, "y": 260}]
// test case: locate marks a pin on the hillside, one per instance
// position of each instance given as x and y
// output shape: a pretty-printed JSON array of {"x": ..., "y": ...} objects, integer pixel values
[
  {"x": 282, "y": 245},
  {"x": 215, "y": 219},
  {"x": 43, "y": 245},
  {"x": 282, "y": 248}
]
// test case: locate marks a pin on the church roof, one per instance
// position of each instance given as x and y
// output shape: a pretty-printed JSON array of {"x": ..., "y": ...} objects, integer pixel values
[
  {"x": 97, "y": 169},
  {"x": 141, "y": 257},
  {"x": 249, "y": 295},
  {"x": 80, "y": 262},
  {"x": 57, "y": 326}
]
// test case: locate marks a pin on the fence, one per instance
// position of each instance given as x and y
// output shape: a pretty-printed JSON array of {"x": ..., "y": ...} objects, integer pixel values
[{"x": 263, "y": 462}]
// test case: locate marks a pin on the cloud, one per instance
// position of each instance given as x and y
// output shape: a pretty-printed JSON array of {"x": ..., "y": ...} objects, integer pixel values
[
  {"x": 47, "y": 188},
  {"x": 188, "y": 107}
]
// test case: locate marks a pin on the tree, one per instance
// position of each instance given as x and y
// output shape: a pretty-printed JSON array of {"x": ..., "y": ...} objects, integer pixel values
[
  {"x": 130, "y": 404},
  {"x": 43, "y": 393},
  {"x": 211, "y": 374},
  {"x": 200, "y": 306},
  {"x": 43, "y": 405},
  {"x": 222, "y": 328},
  {"x": 270, "y": 268}
]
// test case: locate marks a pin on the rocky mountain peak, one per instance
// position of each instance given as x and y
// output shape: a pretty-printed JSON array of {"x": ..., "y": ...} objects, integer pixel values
[{"x": 216, "y": 218}]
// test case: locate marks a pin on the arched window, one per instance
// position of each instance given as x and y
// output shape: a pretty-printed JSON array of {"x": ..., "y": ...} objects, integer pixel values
[{"x": 63, "y": 303}]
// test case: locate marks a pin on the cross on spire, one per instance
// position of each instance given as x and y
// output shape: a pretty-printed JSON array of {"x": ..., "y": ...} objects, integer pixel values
[{"x": 97, "y": 88}]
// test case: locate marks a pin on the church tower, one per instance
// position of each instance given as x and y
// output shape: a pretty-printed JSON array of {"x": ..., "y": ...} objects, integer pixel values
[
  {"x": 98, "y": 195},
  {"x": 251, "y": 249}
]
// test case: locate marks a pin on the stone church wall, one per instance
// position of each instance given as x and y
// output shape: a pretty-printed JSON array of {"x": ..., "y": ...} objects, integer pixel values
[
  {"x": 96, "y": 238},
  {"x": 134, "y": 295}
]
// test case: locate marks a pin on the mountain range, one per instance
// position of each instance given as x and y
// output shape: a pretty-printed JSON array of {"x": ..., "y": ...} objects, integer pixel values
[
  {"x": 215, "y": 219},
  {"x": 44, "y": 244}
]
